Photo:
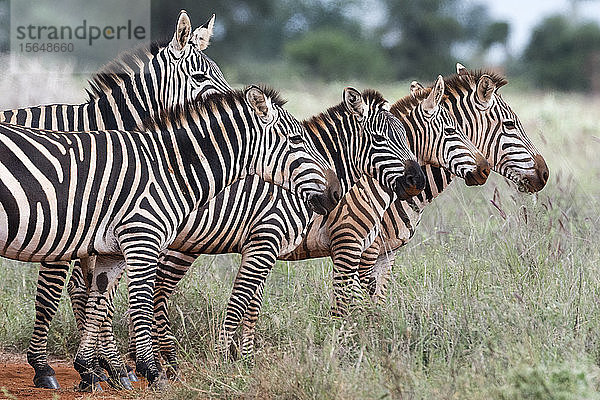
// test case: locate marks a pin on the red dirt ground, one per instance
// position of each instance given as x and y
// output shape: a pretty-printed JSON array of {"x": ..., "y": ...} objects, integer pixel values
[{"x": 16, "y": 382}]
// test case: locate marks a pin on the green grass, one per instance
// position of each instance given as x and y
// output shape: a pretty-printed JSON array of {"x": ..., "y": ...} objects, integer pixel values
[{"x": 481, "y": 306}]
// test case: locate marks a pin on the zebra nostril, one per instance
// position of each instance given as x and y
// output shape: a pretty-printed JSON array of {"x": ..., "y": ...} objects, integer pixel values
[{"x": 485, "y": 172}]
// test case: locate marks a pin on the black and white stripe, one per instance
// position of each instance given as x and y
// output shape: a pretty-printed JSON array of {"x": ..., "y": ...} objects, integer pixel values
[
  {"x": 138, "y": 85},
  {"x": 349, "y": 229},
  {"x": 117, "y": 194},
  {"x": 494, "y": 128}
]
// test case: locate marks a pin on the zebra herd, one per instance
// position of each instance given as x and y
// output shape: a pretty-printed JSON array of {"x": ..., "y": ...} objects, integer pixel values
[{"x": 166, "y": 161}]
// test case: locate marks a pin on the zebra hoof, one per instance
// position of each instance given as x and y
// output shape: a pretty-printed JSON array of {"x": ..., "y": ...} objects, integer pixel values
[
  {"x": 101, "y": 375},
  {"x": 122, "y": 383},
  {"x": 131, "y": 374},
  {"x": 46, "y": 382},
  {"x": 160, "y": 384},
  {"x": 87, "y": 387}
]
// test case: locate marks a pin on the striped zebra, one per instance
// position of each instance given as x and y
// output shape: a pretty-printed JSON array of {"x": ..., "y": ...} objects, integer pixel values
[
  {"x": 261, "y": 221},
  {"x": 121, "y": 196},
  {"x": 492, "y": 125},
  {"x": 342, "y": 233},
  {"x": 136, "y": 86}
]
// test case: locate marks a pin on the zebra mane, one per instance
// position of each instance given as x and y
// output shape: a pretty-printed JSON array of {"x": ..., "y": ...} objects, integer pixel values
[
  {"x": 112, "y": 74},
  {"x": 201, "y": 106},
  {"x": 370, "y": 96},
  {"x": 408, "y": 103},
  {"x": 470, "y": 79}
]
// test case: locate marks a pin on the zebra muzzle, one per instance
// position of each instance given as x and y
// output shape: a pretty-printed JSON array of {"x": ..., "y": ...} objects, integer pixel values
[
  {"x": 480, "y": 174},
  {"x": 411, "y": 183}
]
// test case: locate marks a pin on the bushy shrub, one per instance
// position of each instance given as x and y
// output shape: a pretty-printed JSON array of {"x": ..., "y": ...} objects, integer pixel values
[{"x": 334, "y": 55}]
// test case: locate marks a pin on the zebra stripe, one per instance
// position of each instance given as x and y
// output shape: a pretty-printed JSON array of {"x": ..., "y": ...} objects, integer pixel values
[
  {"x": 136, "y": 86},
  {"x": 165, "y": 174},
  {"x": 344, "y": 234},
  {"x": 495, "y": 129},
  {"x": 354, "y": 138}
]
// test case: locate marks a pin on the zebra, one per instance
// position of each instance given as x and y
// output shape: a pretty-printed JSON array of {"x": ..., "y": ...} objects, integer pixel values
[
  {"x": 121, "y": 196},
  {"x": 492, "y": 125},
  {"x": 261, "y": 220},
  {"x": 335, "y": 235},
  {"x": 139, "y": 84}
]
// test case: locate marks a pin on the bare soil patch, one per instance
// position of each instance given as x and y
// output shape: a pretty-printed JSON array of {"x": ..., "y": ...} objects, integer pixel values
[{"x": 16, "y": 382}]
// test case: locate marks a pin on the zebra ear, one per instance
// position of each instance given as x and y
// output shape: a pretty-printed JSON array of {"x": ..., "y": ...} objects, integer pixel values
[
  {"x": 461, "y": 70},
  {"x": 354, "y": 101},
  {"x": 202, "y": 34},
  {"x": 431, "y": 103},
  {"x": 485, "y": 89},
  {"x": 415, "y": 87},
  {"x": 261, "y": 106},
  {"x": 182, "y": 32}
]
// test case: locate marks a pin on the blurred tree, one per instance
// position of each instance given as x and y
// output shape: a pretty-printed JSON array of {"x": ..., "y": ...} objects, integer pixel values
[
  {"x": 255, "y": 29},
  {"x": 495, "y": 33},
  {"x": 421, "y": 35},
  {"x": 564, "y": 54},
  {"x": 335, "y": 55}
]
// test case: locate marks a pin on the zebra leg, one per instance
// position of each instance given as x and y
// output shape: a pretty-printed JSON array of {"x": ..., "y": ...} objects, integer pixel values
[
  {"x": 346, "y": 257},
  {"x": 105, "y": 277},
  {"x": 78, "y": 287},
  {"x": 381, "y": 273},
  {"x": 249, "y": 323},
  {"x": 365, "y": 268},
  {"x": 172, "y": 266},
  {"x": 258, "y": 257},
  {"x": 51, "y": 280},
  {"x": 141, "y": 268},
  {"x": 107, "y": 352}
]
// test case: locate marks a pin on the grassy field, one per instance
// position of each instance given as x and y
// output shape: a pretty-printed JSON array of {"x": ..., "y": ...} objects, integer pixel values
[{"x": 483, "y": 303}]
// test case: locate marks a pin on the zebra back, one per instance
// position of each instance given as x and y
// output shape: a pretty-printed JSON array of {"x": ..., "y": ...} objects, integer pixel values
[{"x": 137, "y": 85}]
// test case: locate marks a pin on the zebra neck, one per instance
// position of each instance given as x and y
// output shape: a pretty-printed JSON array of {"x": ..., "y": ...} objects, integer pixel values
[
  {"x": 330, "y": 138},
  {"x": 436, "y": 180},
  {"x": 104, "y": 113},
  {"x": 121, "y": 108}
]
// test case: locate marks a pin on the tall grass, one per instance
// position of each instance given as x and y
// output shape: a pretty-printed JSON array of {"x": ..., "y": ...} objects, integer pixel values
[{"x": 486, "y": 301}]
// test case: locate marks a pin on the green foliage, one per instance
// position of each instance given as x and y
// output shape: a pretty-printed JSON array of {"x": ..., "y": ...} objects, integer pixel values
[
  {"x": 424, "y": 33},
  {"x": 496, "y": 32},
  {"x": 558, "y": 382},
  {"x": 564, "y": 55},
  {"x": 482, "y": 305},
  {"x": 334, "y": 55}
]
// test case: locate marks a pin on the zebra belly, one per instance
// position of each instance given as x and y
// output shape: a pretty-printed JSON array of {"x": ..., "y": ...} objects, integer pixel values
[
  {"x": 399, "y": 223},
  {"x": 226, "y": 222},
  {"x": 61, "y": 195}
]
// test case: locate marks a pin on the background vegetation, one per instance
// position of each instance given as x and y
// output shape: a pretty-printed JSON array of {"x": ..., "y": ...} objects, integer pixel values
[
  {"x": 484, "y": 304},
  {"x": 263, "y": 40}
]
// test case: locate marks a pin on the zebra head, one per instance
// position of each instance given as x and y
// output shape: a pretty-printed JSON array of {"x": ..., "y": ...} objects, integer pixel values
[
  {"x": 189, "y": 73},
  {"x": 436, "y": 138},
  {"x": 385, "y": 154},
  {"x": 285, "y": 156},
  {"x": 494, "y": 128}
]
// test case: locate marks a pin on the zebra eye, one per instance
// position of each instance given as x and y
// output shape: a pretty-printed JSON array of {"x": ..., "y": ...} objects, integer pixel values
[
  {"x": 450, "y": 130},
  {"x": 378, "y": 137},
  {"x": 199, "y": 77},
  {"x": 296, "y": 139},
  {"x": 509, "y": 124}
]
